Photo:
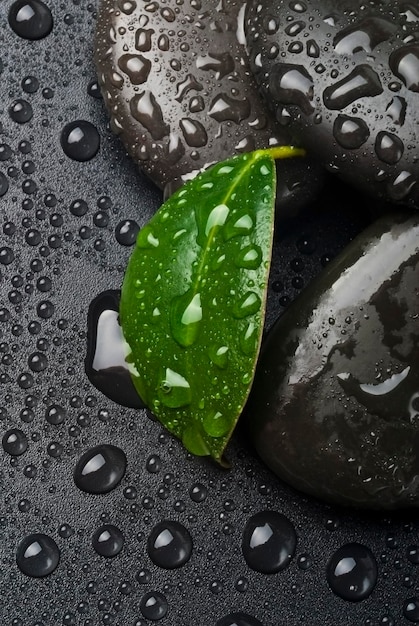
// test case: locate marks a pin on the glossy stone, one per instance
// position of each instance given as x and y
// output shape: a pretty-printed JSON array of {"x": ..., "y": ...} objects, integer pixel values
[
  {"x": 177, "y": 86},
  {"x": 334, "y": 408},
  {"x": 344, "y": 77}
]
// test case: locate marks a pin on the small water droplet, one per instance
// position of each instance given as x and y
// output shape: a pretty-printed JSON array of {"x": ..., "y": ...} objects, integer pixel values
[
  {"x": 169, "y": 544},
  {"x": 108, "y": 540},
  {"x": 269, "y": 542},
  {"x": 352, "y": 572},
  {"x": 37, "y": 555},
  {"x": 100, "y": 469}
]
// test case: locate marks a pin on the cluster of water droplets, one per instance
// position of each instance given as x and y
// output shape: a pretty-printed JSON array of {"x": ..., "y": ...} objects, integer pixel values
[{"x": 351, "y": 76}]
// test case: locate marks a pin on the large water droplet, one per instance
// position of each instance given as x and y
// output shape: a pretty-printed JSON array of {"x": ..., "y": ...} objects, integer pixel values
[
  {"x": 388, "y": 147},
  {"x": 361, "y": 82},
  {"x": 269, "y": 542},
  {"x": 224, "y": 108},
  {"x": 108, "y": 540},
  {"x": 364, "y": 36},
  {"x": 350, "y": 132},
  {"x": 216, "y": 424},
  {"x": 30, "y": 19},
  {"x": 21, "y": 111},
  {"x": 411, "y": 610},
  {"x": 136, "y": 66},
  {"x": 241, "y": 224},
  {"x": 194, "y": 132},
  {"x": 248, "y": 304},
  {"x": 396, "y": 110},
  {"x": 169, "y": 544},
  {"x": 80, "y": 140},
  {"x": 238, "y": 619},
  {"x": 219, "y": 356},
  {"x": 100, "y": 469},
  {"x": 174, "y": 390},
  {"x": 153, "y": 605},
  {"x": 292, "y": 84},
  {"x": 37, "y": 555},
  {"x": 220, "y": 62},
  {"x": 249, "y": 257},
  {"x": 146, "y": 110},
  {"x": 185, "y": 317},
  {"x": 352, "y": 572},
  {"x": 15, "y": 442},
  {"x": 404, "y": 63},
  {"x": 105, "y": 363}
]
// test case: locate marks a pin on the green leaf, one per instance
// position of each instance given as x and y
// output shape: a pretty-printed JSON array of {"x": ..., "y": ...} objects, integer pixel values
[{"x": 193, "y": 298}]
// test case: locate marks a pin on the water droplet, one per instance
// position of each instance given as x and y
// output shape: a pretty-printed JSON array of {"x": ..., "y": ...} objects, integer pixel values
[
  {"x": 30, "y": 19},
  {"x": 248, "y": 339},
  {"x": 108, "y": 540},
  {"x": 350, "y": 132},
  {"x": 169, "y": 544},
  {"x": 401, "y": 186},
  {"x": 313, "y": 49},
  {"x": 361, "y": 82},
  {"x": 100, "y": 469},
  {"x": 153, "y": 605},
  {"x": 80, "y": 140},
  {"x": 37, "y": 555},
  {"x": 185, "y": 317},
  {"x": 15, "y": 442},
  {"x": 55, "y": 414},
  {"x": 219, "y": 356},
  {"x": 269, "y": 542},
  {"x": 136, "y": 66},
  {"x": 411, "y": 610},
  {"x": 241, "y": 224},
  {"x": 126, "y": 232},
  {"x": 174, "y": 390},
  {"x": 292, "y": 84},
  {"x": 396, "y": 110},
  {"x": 30, "y": 84},
  {"x": 220, "y": 62},
  {"x": 364, "y": 36},
  {"x": 249, "y": 257},
  {"x": 107, "y": 352},
  {"x": 4, "y": 184},
  {"x": 21, "y": 111},
  {"x": 352, "y": 572},
  {"x": 224, "y": 108},
  {"x": 194, "y": 132},
  {"x": 238, "y": 619},
  {"x": 388, "y": 147},
  {"x": 404, "y": 63},
  {"x": 146, "y": 110},
  {"x": 248, "y": 304},
  {"x": 215, "y": 424}
]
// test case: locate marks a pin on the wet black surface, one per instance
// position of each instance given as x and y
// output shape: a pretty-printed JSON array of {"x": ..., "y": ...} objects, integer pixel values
[{"x": 89, "y": 560}]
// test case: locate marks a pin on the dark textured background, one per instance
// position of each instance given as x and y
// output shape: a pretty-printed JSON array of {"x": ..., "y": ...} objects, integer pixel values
[{"x": 81, "y": 260}]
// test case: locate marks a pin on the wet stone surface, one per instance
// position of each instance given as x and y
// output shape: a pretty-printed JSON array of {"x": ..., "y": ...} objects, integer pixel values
[
  {"x": 344, "y": 78},
  {"x": 73, "y": 557},
  {"x": 180, "y": 95}
]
